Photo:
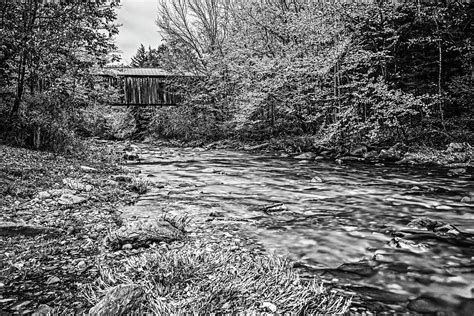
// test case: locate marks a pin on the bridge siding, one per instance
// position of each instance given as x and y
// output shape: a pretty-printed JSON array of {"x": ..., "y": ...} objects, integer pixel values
[{"x": 146, "y": 90}]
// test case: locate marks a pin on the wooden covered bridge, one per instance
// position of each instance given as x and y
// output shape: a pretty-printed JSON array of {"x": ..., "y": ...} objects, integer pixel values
[{"x": 142, "y": 86}]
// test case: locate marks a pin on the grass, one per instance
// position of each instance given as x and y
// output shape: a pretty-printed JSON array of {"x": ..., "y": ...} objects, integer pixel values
[{"x": 195, "y": 278}]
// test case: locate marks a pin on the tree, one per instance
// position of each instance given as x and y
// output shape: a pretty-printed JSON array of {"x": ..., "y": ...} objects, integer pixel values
[
  {"x": 49, "y": 49},
  {"x": 140, "y": 58}
]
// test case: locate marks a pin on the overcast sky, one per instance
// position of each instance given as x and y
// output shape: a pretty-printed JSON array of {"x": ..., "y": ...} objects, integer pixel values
[{"x": 138, "y": 26}]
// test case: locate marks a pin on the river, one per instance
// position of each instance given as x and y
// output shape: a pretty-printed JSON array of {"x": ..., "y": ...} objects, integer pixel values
[{"x": 343, "y": 223}]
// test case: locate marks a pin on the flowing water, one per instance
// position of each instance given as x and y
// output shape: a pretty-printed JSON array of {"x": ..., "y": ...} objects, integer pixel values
[{"x": 342, "y": 223}]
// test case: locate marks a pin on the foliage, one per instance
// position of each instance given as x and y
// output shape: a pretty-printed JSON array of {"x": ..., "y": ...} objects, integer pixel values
[
  {"x": 379, "y": 72},
  {"x": 48, "y": 52},
  {"x": 153, "y": 58}
]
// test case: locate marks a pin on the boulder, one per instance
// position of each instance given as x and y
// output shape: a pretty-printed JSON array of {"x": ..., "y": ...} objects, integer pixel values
[
  {"x": 141, "y": 234},
  {"x": 371, "y": 154},
  {"x": 120, "y": 300},
  {"x": 122, "y": 178},
  {"x": 74, "y": 184},
  {"x": 130, "y": 156},
  {"x": 457, "y": 171},
  {"x": 43, "y": 310},
  {"x": 458, "y": 147},
  {"x": 395, "y": 152},
  {"x": 44, "y": 195},
  {"x": 306, "y": 156},
  {"x": 15, "y": 229},
  {"x": 360, "y": 268},
  {"x": 71, "y": 199},
  {"x": 359, "y": 151},
  {"x": 427, "y": 304}
]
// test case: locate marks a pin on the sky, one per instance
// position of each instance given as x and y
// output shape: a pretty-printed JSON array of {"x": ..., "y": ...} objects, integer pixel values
[{"x": 137, "y": 18}]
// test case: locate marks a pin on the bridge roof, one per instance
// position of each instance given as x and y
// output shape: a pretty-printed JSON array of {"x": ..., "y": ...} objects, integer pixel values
[{"x": 138, "y": 72}]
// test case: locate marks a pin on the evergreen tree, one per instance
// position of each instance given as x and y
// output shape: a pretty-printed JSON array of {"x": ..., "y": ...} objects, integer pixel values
[{"x": 140, "y": 59}]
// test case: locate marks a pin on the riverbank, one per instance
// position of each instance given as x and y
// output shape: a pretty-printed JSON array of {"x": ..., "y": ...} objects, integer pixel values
[
  {"x": 67, "y": 248},
  {"x": 455, "y": 155}
]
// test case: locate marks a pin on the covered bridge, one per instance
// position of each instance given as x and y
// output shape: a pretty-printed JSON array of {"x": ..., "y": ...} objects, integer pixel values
[{"x": 142, "y": 86}]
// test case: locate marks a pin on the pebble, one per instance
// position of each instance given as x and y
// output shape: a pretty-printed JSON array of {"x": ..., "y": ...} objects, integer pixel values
[
  {"x": 127, "y": 247},
  {"x": 81, "y": 265},
  {"x": 269, "y": 306},
  {"x": 53, "y": 280},
  {"x": 466, "y": 199}
]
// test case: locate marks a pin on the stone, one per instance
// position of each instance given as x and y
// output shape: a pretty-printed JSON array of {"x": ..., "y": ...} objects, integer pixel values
[
  {"x": 53, "y": 280},
  {"x": 371, "y": 154},
  {"x": 256, "y": 147},
  {"x": 426, "y": 305},
  {"x": 127, "y": 247},
  {"x": 316, "y": 179},
  {"x": 44, "y": 195},
  {"x": 457, "y": 171},
  {"x": 43, "y": 310},
  {"x": 359, "y": 151},
  {"x": 393, "y": 153},
  {"x": 359, "y": 268},
  {"x": 120, "y": 300},
  {"x": 88, "y": 188},
  {"x": 70, "y": 199},
  {"x": 269, "y": 307},
  {"x": 458, "y": 147},
  {"x": 17, "y": 229},
  {"x": 319, "y": 158},
  {"x": 139, "y": 234},
  {"x": 131, "y": 156},
  {"x": 81, "y": 265},
  {"x": 122, "y": 178},
  {"x": 305, "y": 156},
  {"x": 466, "y": 199},
  {"x": 73, "y": 184},
  {"x": 88, "y": 169}
]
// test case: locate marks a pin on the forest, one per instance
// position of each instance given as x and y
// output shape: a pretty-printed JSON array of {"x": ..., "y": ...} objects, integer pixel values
[
  {"x": 338, "y": 75},
  {"x": 315, "y": 158}
]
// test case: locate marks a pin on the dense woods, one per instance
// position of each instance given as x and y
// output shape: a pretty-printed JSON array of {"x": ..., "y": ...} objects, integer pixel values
[
  {"x": 47, "y": 51},
  {"x": 339, "y": 73}
]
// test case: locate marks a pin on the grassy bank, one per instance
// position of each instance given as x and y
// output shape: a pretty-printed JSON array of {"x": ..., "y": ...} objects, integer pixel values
[{"x": 57, "y": 212}]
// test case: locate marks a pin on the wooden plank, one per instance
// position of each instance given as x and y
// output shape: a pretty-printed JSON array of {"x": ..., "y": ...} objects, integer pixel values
[{"x": 143, "y": 105}]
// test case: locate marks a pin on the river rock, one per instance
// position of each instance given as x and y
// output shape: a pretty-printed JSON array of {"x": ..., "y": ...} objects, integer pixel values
[
  {"x": 88, "y": 169},
  {"x": 359, "y": 268},
  {"x": 316, "y": 179},
  {"x": 43, "y": 310},
  {"x": 120, "y": 300},
  {"x": 427, "y": 304},
  {"x": 371, "y": 154},
  {"x": 457, "y": 171},
  {"x": 16, "y": 229},
  {"x": 466, "y": 199},
  {"x": 400, "y": 243},
  {"x": 359, "y": 151},
  {"x": 74, "y": 184},
  {"x": 269, "y": 307},
  {"x": 256, "y": 147},
  {"x": 435, "y": 226},
  {"x": 53, "y": 280},
  {"x": 306, "y": 156},
  {"x": 44, "y": 195},
  {"x": 139, "y": 234},
  {"x": 122, "y": 178},
  {"x": 70, "y": 199},
  {"x": 131, "y": 156},
  {"x": 458, "y": 147}
]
